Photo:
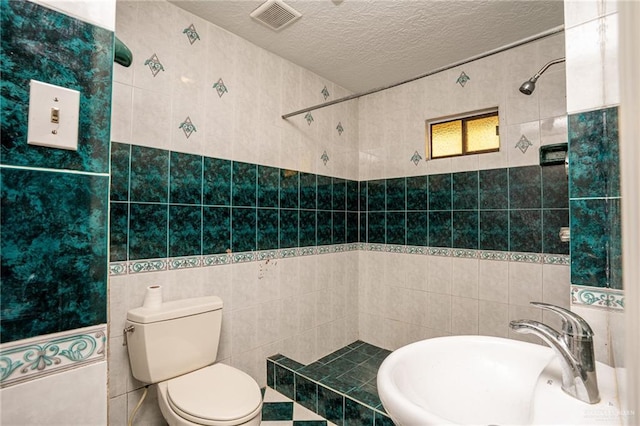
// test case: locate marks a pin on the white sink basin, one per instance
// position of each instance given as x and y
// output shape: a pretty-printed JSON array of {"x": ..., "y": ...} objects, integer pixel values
[{"x": 486, "y": 381}]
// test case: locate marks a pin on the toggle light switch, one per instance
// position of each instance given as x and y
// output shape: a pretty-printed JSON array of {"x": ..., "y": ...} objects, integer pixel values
[{"x": 54, "y": 113}]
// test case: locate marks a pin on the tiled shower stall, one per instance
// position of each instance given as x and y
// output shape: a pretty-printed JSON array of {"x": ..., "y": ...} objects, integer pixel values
[{"x": 318, "y": 231}]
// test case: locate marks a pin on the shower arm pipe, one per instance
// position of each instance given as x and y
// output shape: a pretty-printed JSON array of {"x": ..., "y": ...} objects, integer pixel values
[
  {"x": 544, "y": 68},
  {"x": 548, "y": 33}
]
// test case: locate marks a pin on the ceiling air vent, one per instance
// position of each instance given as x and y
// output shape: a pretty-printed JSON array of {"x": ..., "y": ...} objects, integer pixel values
[{"x": 275, "y": 14}]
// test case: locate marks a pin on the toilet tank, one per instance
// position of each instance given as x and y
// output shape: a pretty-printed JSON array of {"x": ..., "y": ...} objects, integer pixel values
[{"x": 174, "y": 339}]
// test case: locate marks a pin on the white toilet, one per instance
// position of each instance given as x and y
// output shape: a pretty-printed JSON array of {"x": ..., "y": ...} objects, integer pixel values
[{"x": 175, "y": 347}]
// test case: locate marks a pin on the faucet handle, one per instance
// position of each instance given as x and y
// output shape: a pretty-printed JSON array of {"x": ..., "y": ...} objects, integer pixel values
[{"x": 572, "y": 323}]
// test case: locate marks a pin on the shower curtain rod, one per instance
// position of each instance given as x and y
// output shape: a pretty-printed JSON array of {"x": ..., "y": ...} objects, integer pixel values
[{"x": 536, "y": 37}]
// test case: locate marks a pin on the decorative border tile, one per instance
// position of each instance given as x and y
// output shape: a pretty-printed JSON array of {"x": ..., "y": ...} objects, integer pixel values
[
  {"x": 324, "y": 249},
  {"x": 307, "y": 251},
  {"x": 416, "y": 250},
  {"x": 216, "y": 259},
  {"x": 394, "y": 249},
  {"x": 184, "y": 262},
  {"x": 40, "y": 356},
  {"x": 147, "y": 265},
  {"x": 525, "y": 257},
  {"x": 118, "y": 268},
  {"x": 494, "y": 255},
  {"x": 285, "y": 253},
  {"x": 437, "y": 251},
  {"x": 153, "y": 265},
  {"x": 596, "y": 297},
  {"x": 472, "y": 254},
  {"x": 557, "y": 259},
  {"x": 580, "y": 295}
]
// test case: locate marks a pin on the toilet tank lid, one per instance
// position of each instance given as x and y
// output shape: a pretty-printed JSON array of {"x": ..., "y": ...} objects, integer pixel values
[{"x": 175, "y": 309}]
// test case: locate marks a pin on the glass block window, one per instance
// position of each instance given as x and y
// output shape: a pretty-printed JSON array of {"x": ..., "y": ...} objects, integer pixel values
[{"x": 471, "y": 134}]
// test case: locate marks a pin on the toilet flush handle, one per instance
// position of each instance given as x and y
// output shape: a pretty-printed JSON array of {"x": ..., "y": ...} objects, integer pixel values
[{"x": 128, "y": 329}]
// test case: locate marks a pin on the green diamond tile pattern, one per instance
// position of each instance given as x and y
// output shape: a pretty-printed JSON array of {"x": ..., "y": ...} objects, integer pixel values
[{"x": 344, "y": 378}]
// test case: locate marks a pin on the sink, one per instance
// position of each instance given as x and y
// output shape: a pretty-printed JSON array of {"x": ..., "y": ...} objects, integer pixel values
[{"x": 486, "y": 380}]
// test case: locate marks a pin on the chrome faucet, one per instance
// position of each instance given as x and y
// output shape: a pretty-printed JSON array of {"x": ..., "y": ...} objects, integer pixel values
[{"x": 574, "y": 347}]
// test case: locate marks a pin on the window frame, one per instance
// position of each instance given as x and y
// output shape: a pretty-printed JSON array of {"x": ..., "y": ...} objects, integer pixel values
[{"x": 463, "y": 118}]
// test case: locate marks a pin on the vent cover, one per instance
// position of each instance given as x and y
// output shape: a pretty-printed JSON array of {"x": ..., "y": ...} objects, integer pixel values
[{"x": 275, "y": 14}]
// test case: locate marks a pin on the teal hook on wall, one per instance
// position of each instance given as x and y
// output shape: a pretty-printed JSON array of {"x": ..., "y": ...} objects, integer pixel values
[{"x": 122, "y": 54}]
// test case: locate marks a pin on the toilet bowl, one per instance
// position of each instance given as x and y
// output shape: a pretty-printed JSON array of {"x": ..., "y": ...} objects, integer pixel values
[{"x": 217, "y": 395}]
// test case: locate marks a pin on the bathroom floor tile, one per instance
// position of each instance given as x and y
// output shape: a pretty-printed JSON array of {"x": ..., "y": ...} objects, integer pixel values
[
  {"x": 345, "y": 390},
  {"x": 277, "y": 411}
]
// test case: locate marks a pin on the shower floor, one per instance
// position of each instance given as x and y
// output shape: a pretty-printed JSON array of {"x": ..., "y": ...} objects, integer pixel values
[{"x": 340, "y": 387}]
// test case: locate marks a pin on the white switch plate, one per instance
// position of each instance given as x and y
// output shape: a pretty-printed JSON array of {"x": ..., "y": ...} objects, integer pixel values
[{"x": 43, "y": 99}]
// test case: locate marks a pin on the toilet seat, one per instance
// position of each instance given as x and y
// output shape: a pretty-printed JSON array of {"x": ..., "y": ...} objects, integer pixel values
[{"x": 218, "y": 395}]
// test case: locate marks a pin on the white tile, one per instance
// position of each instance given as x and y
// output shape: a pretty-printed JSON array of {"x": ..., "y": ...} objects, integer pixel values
[
  {"x": 439, "y": 312},
  {"x": 494, "y": 281},
  {"x": 117, "y": 410},
  {"x": 493, "y": 318},
  {"x": 525, "y": 283},
  {"x": 269, "y": 328},
  {"x": 119, "y": 369},
  {"x": 530, "y": 156},
  {"x": 416, "y": 268},
  {"x": 553, "y": 130},
  {"x": 592, "y": 46},
  {"x": 552, "y": 91},
  {"x": 151, "y": 125},
  {"x": 121, "y": 112},
  {"x": 74, "y": 397},
  {"x": 117, "y": 305},
  {"x": 578, "y": 12},
  {"x": 556, "y": 285},
  {"x": 244, "y": 329},
  {"x": 465, "y": 277},
  {"x": 440, "y": 273},
  {"x": 464, "y": 316},
  {"x": 101, "y": 13},
  {"x": 271, "y": 395},
  {"x": 149, "y": 412},
  {"x": 253, "y": 363}
]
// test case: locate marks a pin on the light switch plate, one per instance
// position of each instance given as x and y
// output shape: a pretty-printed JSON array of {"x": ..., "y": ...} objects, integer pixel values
[{"x": 46, "y": 104}]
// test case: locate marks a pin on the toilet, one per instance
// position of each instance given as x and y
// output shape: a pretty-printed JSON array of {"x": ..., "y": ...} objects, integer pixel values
[{"x": 174, "y": 346}]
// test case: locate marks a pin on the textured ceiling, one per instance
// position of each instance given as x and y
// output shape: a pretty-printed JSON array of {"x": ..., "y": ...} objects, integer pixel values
[{"x": 366, "y": 44}]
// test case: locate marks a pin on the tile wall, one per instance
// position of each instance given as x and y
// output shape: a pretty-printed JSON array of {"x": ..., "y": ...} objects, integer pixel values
[
  {"x": 54, "y": 202},
  {"x": 591, "y": 29},
  {"x": 517, "y": 209},
  {"x": 490, "y": 221},
  {"x": 54, "y": 234},
  {"x": 214, "y": 194},
  {"x": 213, "y": 206},
  {"x": 595, "y": 199}
]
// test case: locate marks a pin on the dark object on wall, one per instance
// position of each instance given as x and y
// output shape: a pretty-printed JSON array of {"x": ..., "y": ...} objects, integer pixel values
[{"x": 122, "y": 54}]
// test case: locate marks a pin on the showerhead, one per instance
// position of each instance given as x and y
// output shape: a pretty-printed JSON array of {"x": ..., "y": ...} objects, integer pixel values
[{"x": 530, "y": 85}]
